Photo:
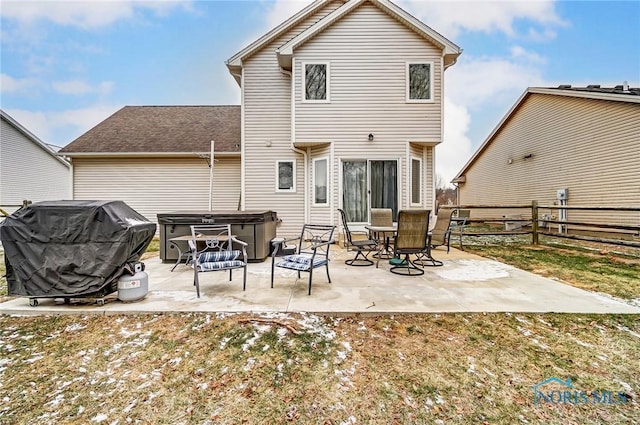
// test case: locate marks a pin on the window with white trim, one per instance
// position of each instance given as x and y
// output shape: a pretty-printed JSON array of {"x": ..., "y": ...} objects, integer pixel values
[
  {"x": 286, "y": 176},
  {"x": 321, "y": 181},
  {"x": 416, "y": 181},
  {"x": 315, "y": 78},
  {"x": 419, "y": 81}
]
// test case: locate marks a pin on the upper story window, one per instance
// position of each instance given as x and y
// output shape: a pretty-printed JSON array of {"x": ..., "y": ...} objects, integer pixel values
[
  {"x": 286, "y": 176},
  {"x": 419, "y": 81},
  {"x": 316, "y": 82}
]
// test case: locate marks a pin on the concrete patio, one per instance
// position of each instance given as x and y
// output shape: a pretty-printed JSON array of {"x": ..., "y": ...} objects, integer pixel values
[{"x": 466, "y": 283}]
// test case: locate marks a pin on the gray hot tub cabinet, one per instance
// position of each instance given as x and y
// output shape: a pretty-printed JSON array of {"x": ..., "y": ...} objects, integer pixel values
[{"x": 256, "y": 228}]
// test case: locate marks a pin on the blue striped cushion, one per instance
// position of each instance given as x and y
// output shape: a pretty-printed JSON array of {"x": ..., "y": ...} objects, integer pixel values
[
  {"x": 220, "y": 265},
  {"x": 213, "y": 256},
  {"x": 301, "y": 262}
]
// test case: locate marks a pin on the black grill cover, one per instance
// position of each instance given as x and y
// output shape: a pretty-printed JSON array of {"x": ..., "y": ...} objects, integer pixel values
[{"x": 72, "y": 248}]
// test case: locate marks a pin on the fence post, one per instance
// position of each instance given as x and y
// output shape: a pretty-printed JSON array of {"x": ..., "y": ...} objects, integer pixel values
[{"x": 534, "y": 222}]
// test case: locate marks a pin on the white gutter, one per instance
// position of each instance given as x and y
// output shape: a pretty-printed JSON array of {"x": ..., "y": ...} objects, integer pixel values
[
  {"x": 146, "y": 154},
  {"x": 293, "y": 136}
]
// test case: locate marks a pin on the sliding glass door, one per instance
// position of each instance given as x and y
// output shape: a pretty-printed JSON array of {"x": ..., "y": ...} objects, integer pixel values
[{"x": 369, "y": 184}]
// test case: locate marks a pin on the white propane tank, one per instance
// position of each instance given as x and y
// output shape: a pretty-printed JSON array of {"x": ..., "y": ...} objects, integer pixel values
[{"x": 133, "y": 288}]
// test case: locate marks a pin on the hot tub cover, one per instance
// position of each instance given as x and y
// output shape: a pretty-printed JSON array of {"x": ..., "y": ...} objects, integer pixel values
[{"x": 72, "y": 248}]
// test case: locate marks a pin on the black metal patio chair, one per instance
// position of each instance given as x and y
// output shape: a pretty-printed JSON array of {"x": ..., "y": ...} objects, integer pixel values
[
  {"x": 362, "y": 247},
  {"x": 312, "y": 251}
]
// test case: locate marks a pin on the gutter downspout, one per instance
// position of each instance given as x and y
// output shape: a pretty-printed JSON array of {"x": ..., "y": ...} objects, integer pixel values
[{"x": 293, "y": 132}]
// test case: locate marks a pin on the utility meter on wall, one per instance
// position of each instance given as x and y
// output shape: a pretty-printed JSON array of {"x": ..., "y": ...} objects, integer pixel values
[{"x": 563, "y": 194}]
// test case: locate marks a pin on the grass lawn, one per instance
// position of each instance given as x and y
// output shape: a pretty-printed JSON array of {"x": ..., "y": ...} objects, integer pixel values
[
  {"x": 208, "y": 369},
  {"x": 595, "y": 267},
  {"x": 307, "y": 369}
]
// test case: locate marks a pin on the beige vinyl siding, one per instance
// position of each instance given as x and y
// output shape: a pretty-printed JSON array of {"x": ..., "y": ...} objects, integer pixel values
[
  {"x": 591, "y": 147},
  {"x": 368, "y": 51},
  {"x": 28, "y": 172},
  {"x": 158, "y": 185},
  {"x": 267, "y": 121}
]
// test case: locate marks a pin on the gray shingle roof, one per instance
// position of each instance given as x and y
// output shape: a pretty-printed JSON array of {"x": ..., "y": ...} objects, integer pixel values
[
  {"x": 595, "y": 88},
  {"x": 163, "y": 129}
]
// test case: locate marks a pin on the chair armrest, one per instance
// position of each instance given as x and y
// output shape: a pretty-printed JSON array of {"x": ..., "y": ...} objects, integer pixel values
[
  {"x": 276, "y": 241},
  {"x": 239, "y": 241},
  {"x": 316, "y": 246}
]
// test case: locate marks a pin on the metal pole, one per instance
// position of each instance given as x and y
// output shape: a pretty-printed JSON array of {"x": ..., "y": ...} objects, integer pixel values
[
  {"x": 211, "y": 177},
  {"x": 534, "y": 222}
]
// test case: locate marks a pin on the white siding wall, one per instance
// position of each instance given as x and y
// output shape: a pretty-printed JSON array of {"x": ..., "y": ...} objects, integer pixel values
[
  {"x": 27, "y": 171},
  {"x": 158, "y": 185},
  {"x": 367, "y": 51},
  {"x": 591, "y": 147},
  {"x": 267, "y": 118}
]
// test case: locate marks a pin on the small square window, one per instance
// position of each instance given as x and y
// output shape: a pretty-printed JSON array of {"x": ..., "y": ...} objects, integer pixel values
[
  {"x": 316, "y": 82},
  {"x": 419, "y": 78},
  {"x": 286, "y": 176}
]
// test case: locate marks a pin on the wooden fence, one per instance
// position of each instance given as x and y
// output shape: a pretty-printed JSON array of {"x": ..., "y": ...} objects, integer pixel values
[{"x": 530, "y": 226}]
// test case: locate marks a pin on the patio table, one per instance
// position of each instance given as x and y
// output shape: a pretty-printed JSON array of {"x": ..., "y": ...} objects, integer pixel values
[{"x": 383, "y": 242}]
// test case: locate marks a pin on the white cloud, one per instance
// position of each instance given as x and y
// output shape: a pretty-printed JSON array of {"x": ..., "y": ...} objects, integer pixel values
[
  {"x": 84, "y": 14},
  {"x": 474, "y": 82},
  {"x": 62, "y": 127},
  {"x": 79, "y": 87},
  {"x": 8, "y": 84},
  {"x": 452, "y": 17},
  {"x": 281, "y": 10},
  {"x": 456, "y": 149}
]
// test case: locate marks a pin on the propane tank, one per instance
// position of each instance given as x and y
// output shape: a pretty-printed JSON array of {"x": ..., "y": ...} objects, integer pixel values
[{"x": 133, "y": 287}]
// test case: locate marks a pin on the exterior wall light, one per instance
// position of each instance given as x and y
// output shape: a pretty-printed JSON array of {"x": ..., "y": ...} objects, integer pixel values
[{"x": 371, "y": 137}]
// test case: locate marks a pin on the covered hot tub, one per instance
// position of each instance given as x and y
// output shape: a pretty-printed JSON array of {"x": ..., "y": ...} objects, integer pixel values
[{"x": 256, "y": 228}]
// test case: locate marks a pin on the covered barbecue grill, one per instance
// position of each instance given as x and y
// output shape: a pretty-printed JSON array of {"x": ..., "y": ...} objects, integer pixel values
[{"x": 69, "y": 249}]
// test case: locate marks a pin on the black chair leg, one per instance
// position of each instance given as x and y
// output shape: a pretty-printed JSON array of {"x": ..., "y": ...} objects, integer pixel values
[
  {"x": 273, "y": 267},
  {"x": 310, "y": 276},
  {"x": 329, "y": 277},
  {"x": 244, "y": 279}
]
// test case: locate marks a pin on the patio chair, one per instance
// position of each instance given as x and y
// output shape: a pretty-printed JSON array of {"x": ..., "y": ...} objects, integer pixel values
[
  {"x": 458, "y": 224},
  {"x": 438, "y": 236},
  {"x": 212, "y": 250},
  {"x": 381, "y": 217},
  {"x": 312, "y": 251},
  {"x": 411, "y": 239},
  {"x": 362, "y": 247}
]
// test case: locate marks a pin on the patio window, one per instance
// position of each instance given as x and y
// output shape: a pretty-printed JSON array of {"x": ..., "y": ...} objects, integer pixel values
[
  {"x": 285, "y": 176},
  {"x": 419, "y": 79},
  {"x": 320, "y": 181},
  {"x": 416, "y": 181},
  {"x": 316, "y": 82}
]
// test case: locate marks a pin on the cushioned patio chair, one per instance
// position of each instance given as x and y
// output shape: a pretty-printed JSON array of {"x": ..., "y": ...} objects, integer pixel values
[
  {"x": 438, "y": 236},
  {"x": 362, "y": 247},
  {"x": 212, "y": 250},
  {"x": 312, "y": 251},
  {"x": 411, "y": 239}
]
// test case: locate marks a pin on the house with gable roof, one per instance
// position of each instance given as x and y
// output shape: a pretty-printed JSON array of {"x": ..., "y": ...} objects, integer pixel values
[
  {"x": 29, "y": 168},
  {"x": 582, "y": 139},
  {"x": 341, "y": 107}
]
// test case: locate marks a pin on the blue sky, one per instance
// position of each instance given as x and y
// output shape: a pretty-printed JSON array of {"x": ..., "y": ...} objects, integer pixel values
[{"x": 66, "y": 66}]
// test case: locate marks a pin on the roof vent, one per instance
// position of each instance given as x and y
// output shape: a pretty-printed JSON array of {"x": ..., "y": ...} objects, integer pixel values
[
  {"x": 564, "y": 86},
  {"x": 618, "y": 87},
  {"x": 593, "y": 86}
]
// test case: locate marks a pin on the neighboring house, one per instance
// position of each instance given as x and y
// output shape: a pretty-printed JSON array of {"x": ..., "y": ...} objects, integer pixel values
[
  {"x": 342, "y": 107},
  {"x": 156, "y": 158},
  {"x": 29, "y": 168},
  {"x": 584, "y": 139}
]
